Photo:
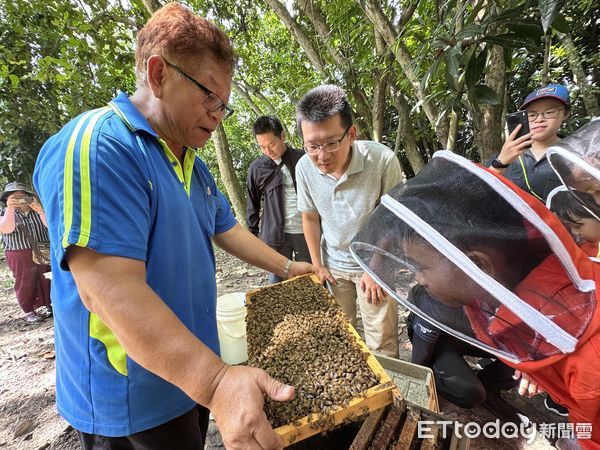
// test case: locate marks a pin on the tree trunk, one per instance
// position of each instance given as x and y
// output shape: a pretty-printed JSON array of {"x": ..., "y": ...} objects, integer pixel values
[
  {"x": 343, "y": 63},
  {"x": 301, "y": 38},
  {"x": 378, "y": 108},
  {"x": 228, "y": 175},
  {"x": 152, "y": 5},
  {"x": 453, "y": 127},
  {"x": 375, "y": 14},
  {"x": 270, "y": 107},
  {"x": 406, "y": 134},
  {"x": 381, "y": 80},
  {"x": 246, "y": 96},
  {"x": 453, "y": 131},
  {"x": 546, "y": 63},
  {"x": 589, "y": 99},
  {"x": 487, "y": 119}
]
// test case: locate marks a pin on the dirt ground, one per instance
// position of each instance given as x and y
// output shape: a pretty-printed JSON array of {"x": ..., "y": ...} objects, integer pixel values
[{"x": 28, "y": 418}]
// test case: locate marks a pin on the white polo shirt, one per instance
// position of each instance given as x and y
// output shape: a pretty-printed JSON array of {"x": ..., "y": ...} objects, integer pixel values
[
  {"x": 293, "y": 217},
  {"x": 345, "y": 204}
]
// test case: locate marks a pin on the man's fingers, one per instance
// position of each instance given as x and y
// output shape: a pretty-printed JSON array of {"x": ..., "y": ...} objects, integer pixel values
[
  {"x": 524, "y": 146},
  {"x": 532, "y": 389},
  {"x": 523, "y": 385},
  {"x": 517, "y": 375},
  {"x": 371, "y": 294},
  {"x": 363, "y": 285},
  {"x": 330, "y": 278},
  {"x": 250, "y": 443},
  {"x": 266, "y": 438},
  {"x": 525, "y": 137},
  {"x": 274, "y": 389},
  {"x": 515, "y": 132}
]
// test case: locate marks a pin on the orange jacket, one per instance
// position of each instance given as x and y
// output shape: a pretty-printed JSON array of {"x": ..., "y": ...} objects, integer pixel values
[{"x": 573, "y": 379}]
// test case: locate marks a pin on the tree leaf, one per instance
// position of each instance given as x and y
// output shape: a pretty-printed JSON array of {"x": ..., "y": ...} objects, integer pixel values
[
  {"x": 469, "y": 31},
  {"x": 14, "y": 80},
  {"x": 529, "y": 29},
  {"x": 548, "y": 11},
  {"x": 475, "y": 68},
  {"x": 513, "y": 40},
  {"x": 431, "y": 74},
  {"x": 484, "y": 95},
  {"x": 560, "y": 24},
  {"x": 452, "y": 62}
]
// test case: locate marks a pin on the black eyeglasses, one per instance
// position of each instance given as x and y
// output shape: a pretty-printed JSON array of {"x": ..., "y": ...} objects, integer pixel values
[
  {"x": 548, "y": 114},
  {"x": 212, "y": 101},
  {"x": 332, "y": 146}
]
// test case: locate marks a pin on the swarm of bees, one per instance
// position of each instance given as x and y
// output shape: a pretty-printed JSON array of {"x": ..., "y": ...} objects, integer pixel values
[{"x": 299, "y": 335}]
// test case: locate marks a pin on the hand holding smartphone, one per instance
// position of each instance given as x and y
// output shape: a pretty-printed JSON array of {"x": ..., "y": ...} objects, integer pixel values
[
  {"x": 515, "y": 119},
  {"x": 517, "y": 142}
]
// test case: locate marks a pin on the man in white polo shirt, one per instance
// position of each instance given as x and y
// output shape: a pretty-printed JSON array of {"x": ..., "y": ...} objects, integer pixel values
[{"x": 340, "y": 181}]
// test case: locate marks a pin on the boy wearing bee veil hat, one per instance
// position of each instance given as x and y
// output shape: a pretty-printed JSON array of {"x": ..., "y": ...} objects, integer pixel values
[{"x": 488, "y": 250}]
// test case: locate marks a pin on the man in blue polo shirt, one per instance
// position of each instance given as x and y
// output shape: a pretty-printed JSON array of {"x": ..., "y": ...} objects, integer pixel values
[{"x": 132, "y": 215}]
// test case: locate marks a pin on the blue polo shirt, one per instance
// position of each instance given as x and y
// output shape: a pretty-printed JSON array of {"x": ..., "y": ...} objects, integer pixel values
[{"x": 109, "y": 183}]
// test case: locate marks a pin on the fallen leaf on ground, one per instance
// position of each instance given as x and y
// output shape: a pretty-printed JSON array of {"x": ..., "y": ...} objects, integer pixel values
[{"x": 23, "y": 427}]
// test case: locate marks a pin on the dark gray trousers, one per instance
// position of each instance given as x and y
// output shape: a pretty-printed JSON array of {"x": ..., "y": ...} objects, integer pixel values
[
  {"x": 294, "y": 247},
  {"x": 186, "y": 432}
]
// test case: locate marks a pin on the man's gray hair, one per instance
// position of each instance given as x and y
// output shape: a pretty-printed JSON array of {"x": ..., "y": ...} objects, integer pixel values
[{"x": 321, "y": 103}]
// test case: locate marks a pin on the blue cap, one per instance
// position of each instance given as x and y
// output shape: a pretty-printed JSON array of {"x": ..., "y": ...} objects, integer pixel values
[{"x": 555, "y": 91}]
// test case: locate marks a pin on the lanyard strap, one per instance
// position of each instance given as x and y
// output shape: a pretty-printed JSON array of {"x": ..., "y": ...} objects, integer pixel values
[{"x": 527, "y": 179}]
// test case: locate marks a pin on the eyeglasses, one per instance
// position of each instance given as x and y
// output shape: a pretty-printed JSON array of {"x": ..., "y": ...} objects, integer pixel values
[
  {"x": 549, "y": 114},
  {"x": 212, "y": 101},
  {"x": 332, "y": 146}
]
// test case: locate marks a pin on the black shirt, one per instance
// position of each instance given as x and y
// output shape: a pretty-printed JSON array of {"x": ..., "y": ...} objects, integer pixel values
[
  {"x": 538, "y": 179},
  {"x": 266, "y": 192}
]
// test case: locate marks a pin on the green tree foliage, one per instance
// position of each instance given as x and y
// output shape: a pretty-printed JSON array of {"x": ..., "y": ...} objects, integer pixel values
[
  {"x": 441, "y": 73},
  {"x": 57, "y": 59}
]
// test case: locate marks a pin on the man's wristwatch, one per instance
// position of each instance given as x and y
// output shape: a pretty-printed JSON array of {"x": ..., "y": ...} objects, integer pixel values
[{"x": 497, "y": 164}]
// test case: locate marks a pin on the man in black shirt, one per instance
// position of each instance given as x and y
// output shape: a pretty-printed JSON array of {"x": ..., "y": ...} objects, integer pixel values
[{"x": 272, "y": 184}]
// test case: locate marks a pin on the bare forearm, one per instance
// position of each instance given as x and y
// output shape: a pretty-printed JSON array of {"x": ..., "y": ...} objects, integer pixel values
[
  {"x": 312, "y": 233},
  {"x": 244, "y": 245},
  {"x": 160, "y": 342},
  {"x": 7, "y": 222}
]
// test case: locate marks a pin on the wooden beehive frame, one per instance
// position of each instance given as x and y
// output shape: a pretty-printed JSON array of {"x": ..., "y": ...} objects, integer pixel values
[
  {"x": 373, "y": 399},
  {"x": 396, "y": 428}
]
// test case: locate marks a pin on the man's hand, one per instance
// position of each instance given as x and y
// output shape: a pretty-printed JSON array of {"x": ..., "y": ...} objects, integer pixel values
[
  {"x": 372, "y": 290},
  {"x": 36, "y": 206},
  {"x": 13, "y": 203},
  {"x": 527, "y": 385},
  {"x": 513, "y": 148},
  {"x": 300, "y": 268},
  {"x": 325, "y": 275},
  {"x": 237, "y": 406}
]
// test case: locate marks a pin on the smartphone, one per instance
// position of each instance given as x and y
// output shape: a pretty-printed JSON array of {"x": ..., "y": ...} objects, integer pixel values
[{"x": 516, "y": 118}]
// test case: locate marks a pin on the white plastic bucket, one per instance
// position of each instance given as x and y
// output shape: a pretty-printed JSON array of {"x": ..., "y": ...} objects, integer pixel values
[{"x": 231, "y": 324}]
